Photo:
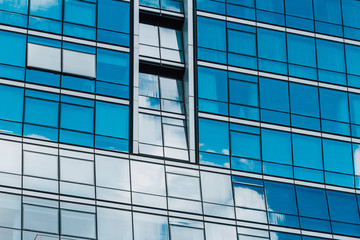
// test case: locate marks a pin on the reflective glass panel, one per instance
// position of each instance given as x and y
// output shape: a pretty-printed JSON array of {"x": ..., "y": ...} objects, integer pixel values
[
  {"x": 114, "y": 224},
  {"x": 150, "y": 227},
  {"x": 79, "y": 63},
  {"x": 216, "y": 188},
  {"x": 77, "y": 224},
  {"x": 148, "y": 178}
]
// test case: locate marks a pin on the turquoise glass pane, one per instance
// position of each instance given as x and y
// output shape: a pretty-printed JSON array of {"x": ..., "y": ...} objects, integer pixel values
[
  {"x": 112, "y": 120},
  {"x": 11, "y": 99},
  {"x": 47, "y": 9},
  {"x": 14, "y": 55},
  {"x": 80, "y": 12},
  {"x": 114, "y": 15}
]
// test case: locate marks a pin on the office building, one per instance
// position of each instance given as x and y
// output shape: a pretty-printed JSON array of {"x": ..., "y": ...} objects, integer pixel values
[{"x": 179, "y": 119}]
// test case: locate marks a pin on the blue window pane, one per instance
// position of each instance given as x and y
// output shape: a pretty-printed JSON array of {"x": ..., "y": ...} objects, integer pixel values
[
  {"x": 240, "y": 11},
  {"x": 243, "y": 93},
  {"x": 214, "y": 136},
  {"x": 330, "y": 55},
  {"x": 298, "y": 8},
  {"x": 47, "y": 9},
  {"x": 83, "y": 139},
  {"x": 172, "y": 5},
  {"x": 35, "y": 109},
  {"x": 274, "y": 95},
  {"x": 77, "y": 118},
  {"x": 212, "y": 84},
  {"x": 306, "y": 56},
  {"x": 337, "y": 156},
  {"x": 245, "y": 145},
  {"x": 304, "y": 100},
  {"x": 334, "y": 105},
  {"x": 110, "y": 89},
  {"x": 112, "y": 120},
  {"x": 211, "y": 6},
  {"x": 114, "y": 15},
  {"x": 214, "y": 39},
  {"x": 271, "y": 5},
  {"x": 34, "y": 131},
  {"x": 354, "y": 101},
  {"x": 14, "y": 55},
  {"x": 280, "y": 198},
  {"x": 351, "y": 9},
  {"x": 113, "y": 37},
  {"x": 112, "y": 66},
  {"x": 328, "y": 11},
  {"x": 271, "y": 44},
  {"x": 79, "y": 12},
  {"x": 111, "y": 143},
  {"x": 307, "y": 151},
  {"x": 150, "y": 3},
  {"x": 312, "y": 202},
  {"x": 276, "y": 146},
  {"x": 79, "y": 31},
  {"x": 18, "y": 6},
  {"x": 343, "y": 207},
  {"x": 13, "y": 97},
  {"x": 242, "y": 42},
  {"x": 352, "y": 56}
]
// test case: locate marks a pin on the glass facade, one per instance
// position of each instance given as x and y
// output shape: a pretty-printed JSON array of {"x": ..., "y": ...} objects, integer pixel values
[{"x": 179, "y": 119}]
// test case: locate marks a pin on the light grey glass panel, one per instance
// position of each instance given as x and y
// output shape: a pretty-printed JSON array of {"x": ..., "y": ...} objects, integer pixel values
[
  {"x": 114, "y": 224},
  {"x": 172, "y": 106},
  {"x": 176, "y": 153},
  {"x": 218, "y": 210},
  {"x": 44, "y": 57},
  {"x": 10, "y": 210},
  {"x": 251, "y": 215},
  {"x": 219, "y": 232},
  {"x": 254, "y": 232},
  {"x": 10, "y": 160},
  {"x": 180, "y": 233},
  {"x": 10, "y": 234},
  {"x": 151, "y": 150},
  {"x": 148, "y": 35},
  {"x": 148, "y": 200},
  {"x": 185, "y": 205},
  {"x": 79, "y": 63},
  {"x": 242, "y": 237},
  {"x": 170, "y": 38},
  {"x": 8, "y": 179},
  {"x": 40, "y": 165},
  {"x": 149, "y": 85},
  {"x": 77, "y": 189},
  {"x": 173, "y": 121},
  {"x": 112, "y": 172},
  {"x": 41, "y": 184},
  {"x": 183, "y": 186},
  {"x": 171, "y": 89},
  {"x": 150, "y": 129},
  {"x": 148, "y": 178},
  {"x": 76, "y": 170},
  {"x": 216, "y": 188},
  {"x": 150, "y": 227},
  {"x": 149, "y": 51},
  {"x": 149, "y": 102},
  {"x": 78, "y": 224},
  {"x": 174, "y": 136},
  {"x": 171, "y": 55},
  {"x": 249, "y": 197},
  {"x": 113, "y": 195},
  {"x": 41, "y": 218}
]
